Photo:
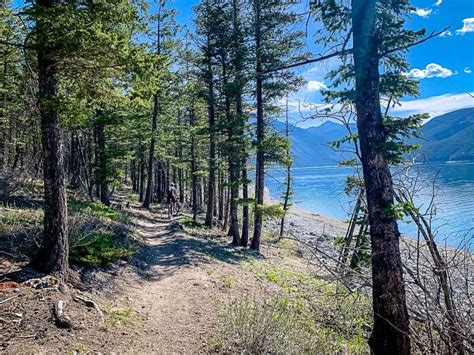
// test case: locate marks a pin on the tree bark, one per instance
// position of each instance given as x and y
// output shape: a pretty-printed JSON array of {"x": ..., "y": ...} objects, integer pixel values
[
  {"x": 211, "y": 188},
  {"x": 102, "y": 162},
  {"x": 151, "y": 157},
  {"x": 142, "y": 173},
  {"x": 244, "y": 240},
  {"x": 3, "y": 102},
  {"x": 390, "y": 334},
  {"x": 260, "y": 168},
  {"x": 286, "y": 199},
  {"x": 54, "y": 251}
]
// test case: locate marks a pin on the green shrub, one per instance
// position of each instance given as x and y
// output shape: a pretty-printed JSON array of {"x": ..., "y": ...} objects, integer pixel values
[
  {"x": 98, "y": 250},
  {"x": 280, "y": 325},
  {"x": 96, "y": 209},
  {"x": 342, "y": 319},
  {"x": 274, "y": 326},
  {"x": 192, "y": 224}
]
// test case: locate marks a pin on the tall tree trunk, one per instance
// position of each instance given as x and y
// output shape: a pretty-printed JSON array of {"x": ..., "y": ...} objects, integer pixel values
[
  {"x": 151, "y": 157},
  {"x": 211, "y": 188},
  {"x": 244, "y": 240},
  {"x": 3, "y": 102},
  {"x": 220, "y": 199},
  {"x": 288, "y": 173},
  {"x": 142, "y": 173},
  {"x": 260, "y": 168},
  {"x": 102, "y": 162},
  {"x": 54, "y": 251},
  {"x": 194, "y": 177},
  {"x": 391, "y": 328}
]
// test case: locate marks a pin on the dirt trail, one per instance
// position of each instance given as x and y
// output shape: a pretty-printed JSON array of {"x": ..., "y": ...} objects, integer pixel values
[
  {"x": 180, "y": 286},
  {"x": 166, "y": 300}
]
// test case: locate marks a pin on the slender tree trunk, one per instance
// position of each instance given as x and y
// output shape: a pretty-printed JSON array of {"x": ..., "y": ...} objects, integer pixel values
[
  {"x": 220, "y": 199},
  {"x": 225, "y": 223},
  {"x": 3, "y": 102},
  {"x": 142, "y": 173},
  {"x": 288, "y": 173},
  {"x": 54, "y": 251},
  {"x": 260, "y": 168},
  {"x": 244, "y": 241},
  {"x": 102, "y": 162},
  {"x": 234, "y": 168},
  {"x": 151, "y": 158},
  {"x": 390, "y": 334},
  {"x": 211, "y": 188},
  {"x": 194, "y": 177},
  {"x": 350, "y": 232}
]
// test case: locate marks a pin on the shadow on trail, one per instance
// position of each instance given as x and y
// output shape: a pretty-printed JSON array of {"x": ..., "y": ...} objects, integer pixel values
[{"x": 172, "y": 249}]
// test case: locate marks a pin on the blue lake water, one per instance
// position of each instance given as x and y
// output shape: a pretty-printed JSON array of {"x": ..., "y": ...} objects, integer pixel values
[{"x": 321, "y": 189}]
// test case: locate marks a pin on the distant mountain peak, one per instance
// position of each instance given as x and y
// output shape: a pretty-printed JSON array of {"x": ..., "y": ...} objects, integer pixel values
[{"x": 447, "y": 137}]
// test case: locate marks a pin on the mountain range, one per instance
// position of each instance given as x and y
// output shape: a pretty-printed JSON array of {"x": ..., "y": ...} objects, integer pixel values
[{"x": 448, "y": 137}]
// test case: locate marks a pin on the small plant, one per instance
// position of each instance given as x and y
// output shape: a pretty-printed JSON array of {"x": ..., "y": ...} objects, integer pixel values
[
  {"x": 119, "y": 317},
  {"x": 96, "y": 209},
  {"x": 275, "y": 326},
  {"x": 98, "y": 250},
  {"x": 227, "y": 281}
]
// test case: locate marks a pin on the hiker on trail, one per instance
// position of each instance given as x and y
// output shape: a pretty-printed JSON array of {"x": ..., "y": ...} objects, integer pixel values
[{"x": 172, "y": 198}]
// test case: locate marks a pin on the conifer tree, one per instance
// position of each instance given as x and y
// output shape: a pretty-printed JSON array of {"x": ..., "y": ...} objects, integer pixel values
[
  {"x": 379, "y": 41},
  {"x": 275, "y": 43}
]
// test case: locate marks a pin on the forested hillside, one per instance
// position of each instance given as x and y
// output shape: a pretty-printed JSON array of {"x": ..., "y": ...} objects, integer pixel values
[
  {"x": 448, "y": 137},
  {"x": 134, "y": 152},
  {"x": 443, "y": 138}
]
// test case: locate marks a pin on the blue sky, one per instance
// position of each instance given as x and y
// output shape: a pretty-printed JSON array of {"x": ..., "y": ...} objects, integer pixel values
[{"x": 444, "y": 65}]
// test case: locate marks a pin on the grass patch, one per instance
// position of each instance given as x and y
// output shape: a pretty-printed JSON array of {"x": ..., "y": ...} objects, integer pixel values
[
  {"x": 13, "y": 220},
  {"x": 227, "y": 281},
  {"x": 99, "y": 235},
  {"x": 339, "y": 320},
  {"x": 119, "y": 317},
  {"x": 274, "y": 326}
]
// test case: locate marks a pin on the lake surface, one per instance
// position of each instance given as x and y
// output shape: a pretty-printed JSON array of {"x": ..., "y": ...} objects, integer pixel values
[{"x": 321, "y": 189}]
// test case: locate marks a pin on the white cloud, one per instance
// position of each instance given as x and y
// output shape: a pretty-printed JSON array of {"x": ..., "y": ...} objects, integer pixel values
[
  {"x": 446, "y": 33},
  {"x": 468, "y": 26},
  {"x": 467, "y": 70},
  {"x": 314, "y": 85},
  {"x": 438, "y": 2},
  {"x": 435, "y": 105},
  {"x": 422, "y": 12},
  {"x": 432, "y": 70}
]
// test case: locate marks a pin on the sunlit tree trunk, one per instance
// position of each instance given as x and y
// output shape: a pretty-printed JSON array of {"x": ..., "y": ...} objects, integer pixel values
[{"x": 390, "y": 334}]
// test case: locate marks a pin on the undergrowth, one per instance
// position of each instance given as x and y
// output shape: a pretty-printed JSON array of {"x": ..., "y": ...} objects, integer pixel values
[
  {"x": 309, "y": 316},
  {"x": 98, "y": 235}
]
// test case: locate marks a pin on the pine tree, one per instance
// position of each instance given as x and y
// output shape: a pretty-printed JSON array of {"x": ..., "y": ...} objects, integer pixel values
[
  {"x": 275, "y": 43},
  {"x": 379, "y": 37}
]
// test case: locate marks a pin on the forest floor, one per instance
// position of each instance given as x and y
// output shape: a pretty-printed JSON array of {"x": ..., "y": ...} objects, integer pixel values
[{"x": 168, "y": 299}]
